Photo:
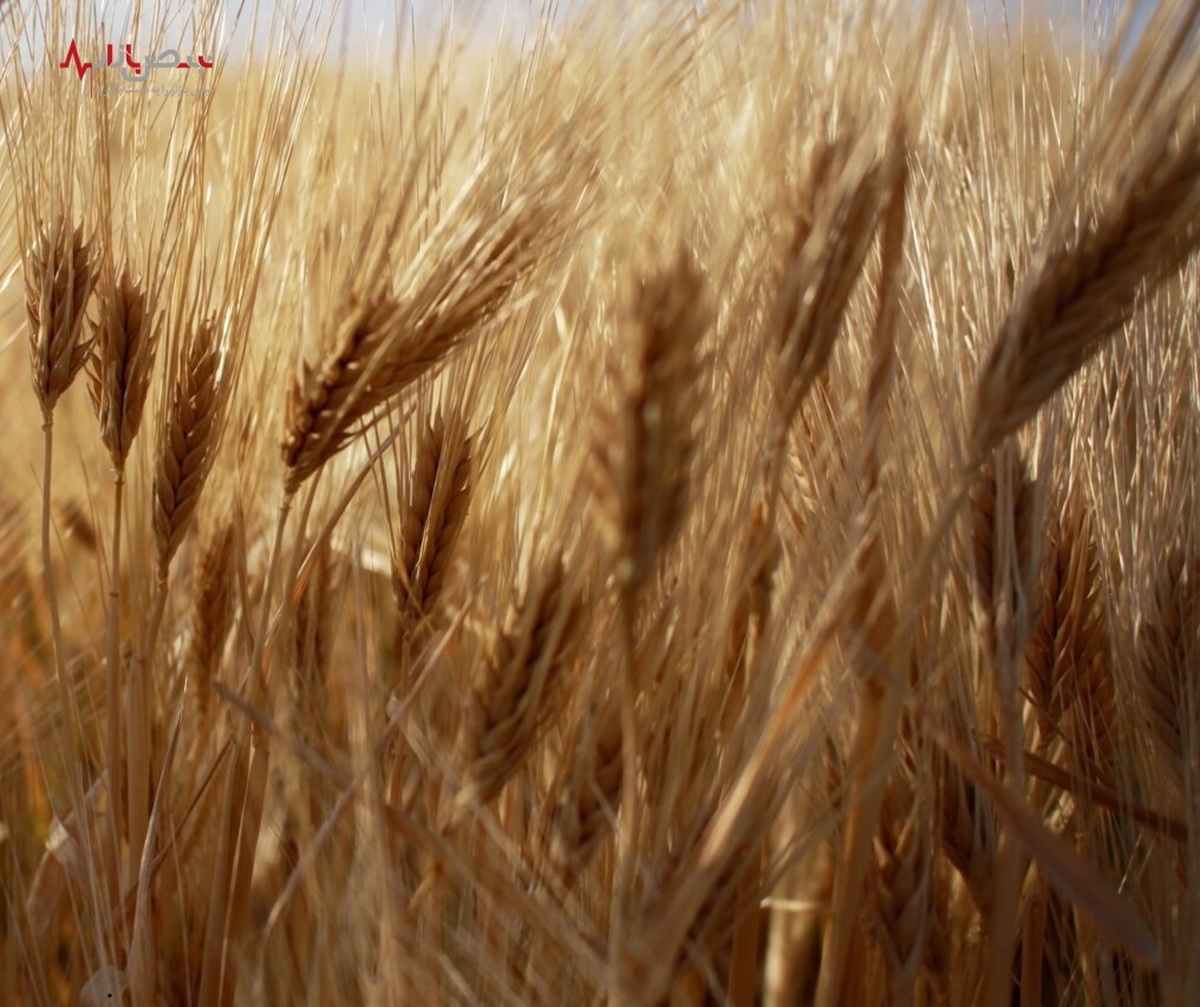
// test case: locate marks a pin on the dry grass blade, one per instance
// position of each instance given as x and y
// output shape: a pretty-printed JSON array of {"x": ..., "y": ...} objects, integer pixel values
[
  {"x": 59, "y": 276},
  {"x": 1087, "y": 789},
  {"x": 1079, "y": 881}
]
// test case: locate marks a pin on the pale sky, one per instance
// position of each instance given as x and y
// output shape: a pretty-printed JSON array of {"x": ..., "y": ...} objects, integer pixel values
[{"x": 367, "y": 29}]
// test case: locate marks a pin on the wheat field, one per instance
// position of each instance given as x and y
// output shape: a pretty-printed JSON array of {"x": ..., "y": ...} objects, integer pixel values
[{"x": 694, "y": 504}]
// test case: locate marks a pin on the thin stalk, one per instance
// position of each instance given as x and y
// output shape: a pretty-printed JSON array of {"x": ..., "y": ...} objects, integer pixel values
[
  {"x": 70, "y": 712},
  {"x": 619, "y": 979},
  {"x": 1033, "y": 942},
  {"x": 113, "y": 652},
  {"x": 216, "y": 978},
  {"x": 140, "y": 694},
  {"x": 112, "y": 642},
  {"x": 997, "y": 980},
  {"x": 742, "y": 986},
  {"x": 880, "y": 707},
  {"x": 743, "y": 967}
]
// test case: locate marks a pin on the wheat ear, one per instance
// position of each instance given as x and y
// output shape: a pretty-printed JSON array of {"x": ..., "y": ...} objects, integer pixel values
[
  {"x": 646, "y": 441},
  {"x": 644, "y": 457},
  {"x": 1082, "y": 289},
  {"x": 383, "y": 344},
  {"x": 188, "y": 439},
  {"x": 122, "y": 359},
  {"x": 509, "y": 705},
  {"x": 432, "y": 516},
  {"x": 1167, "y": 639},
  {"x": 60, "y": 273}
]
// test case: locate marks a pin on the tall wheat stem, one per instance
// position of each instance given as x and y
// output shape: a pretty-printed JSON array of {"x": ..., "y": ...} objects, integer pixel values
[
  {"x": 217, "y": 978},
  {"x": 113, "y": 652},
  {"x": 68, "y": 704},
  {"x": 70, "y": 711},
  {"x": 627, "y": 833}
]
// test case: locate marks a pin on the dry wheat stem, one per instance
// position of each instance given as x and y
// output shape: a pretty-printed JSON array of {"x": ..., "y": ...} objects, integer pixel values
[
  {"x": 873, "y": 613},
  {"x": 1090, "y": 893},
  {"x": 59, "y": 277},
  {"x": 240, "y": 812},
  {"x": 879, "y": 645},
  {"x": 121, "y": 359},
  {"x": 188, "y": 436}
]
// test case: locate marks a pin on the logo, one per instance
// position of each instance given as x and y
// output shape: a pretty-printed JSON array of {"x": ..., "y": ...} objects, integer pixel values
[{"x": 133, "y": 71}]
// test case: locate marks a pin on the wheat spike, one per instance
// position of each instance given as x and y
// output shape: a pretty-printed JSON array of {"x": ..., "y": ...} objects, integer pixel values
[
  {"x": 1067, "y": 659},
  {"x": 832, "y": 233},
  {"x": 1081, "y": 290},
  {"x": 902, "y": 880},
  {"x": 1003, "y": 537},
  {"x": 213, "y": 605},
  {"x": 1168, "y": 641},
  {"x": 122, "y": 359},
  {"x": 645, "y": 446},
  {"x": 432, "y": 516},
  {"x": 966, "y": 830},
  {"x": 509, "y": 706},
  {"x": 587, "y": 794},
  {"x": 384, "y": 344},
  {"x": 59, "y": 276},
  {"x": 188, "y": 438}
]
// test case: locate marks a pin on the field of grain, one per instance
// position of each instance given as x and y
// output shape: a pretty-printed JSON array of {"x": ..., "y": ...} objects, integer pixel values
[{"x": 696, "y": 506}]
